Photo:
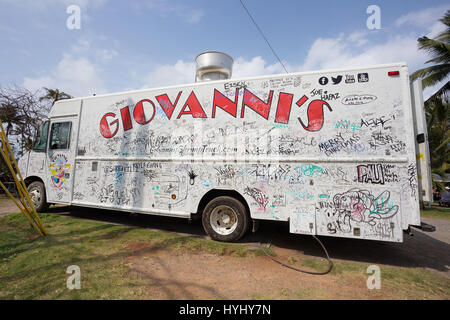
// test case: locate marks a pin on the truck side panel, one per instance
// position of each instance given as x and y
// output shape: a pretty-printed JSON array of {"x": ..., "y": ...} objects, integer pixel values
[{"x": 331, "y": 152}]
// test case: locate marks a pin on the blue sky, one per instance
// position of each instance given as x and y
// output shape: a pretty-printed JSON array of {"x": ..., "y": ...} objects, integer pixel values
[{"x": 126, "y": 45}]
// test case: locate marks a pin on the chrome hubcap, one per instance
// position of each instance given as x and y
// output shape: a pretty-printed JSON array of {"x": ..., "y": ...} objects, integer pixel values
[
  {"x": 223, "y": 220},
  {"x": 35, "y": 196}
]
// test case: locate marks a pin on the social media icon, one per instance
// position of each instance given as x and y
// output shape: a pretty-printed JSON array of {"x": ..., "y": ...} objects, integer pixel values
[{"x": 323, "y": 80}]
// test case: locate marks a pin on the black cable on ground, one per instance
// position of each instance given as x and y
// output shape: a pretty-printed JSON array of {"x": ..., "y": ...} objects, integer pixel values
[{"x": 330, "y": 263}]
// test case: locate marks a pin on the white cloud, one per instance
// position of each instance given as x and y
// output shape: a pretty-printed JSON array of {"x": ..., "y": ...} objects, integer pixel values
[
  {"x": 78, "y": 77},
  {"x": 89, "y": 46},
  {"x": 358, "y": 48},
  {"x": 79, "y": 71},
  {"x": 257, "y": 66},
  {"x": 106, "y": 54},
  {"x": 166, "y": 75},
  {"x": 359, "y": 38},
  {"x": 184, "y": 72},
  {"x": 325, "y": 53},
  {"x": 194, "y": 16},
  {"x": 426, "y": 19},
  {"x": 346, "y": 51},
  {"x": 435, "y": 29}
]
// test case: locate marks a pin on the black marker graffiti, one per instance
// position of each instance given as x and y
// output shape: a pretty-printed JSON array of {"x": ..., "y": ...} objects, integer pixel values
[
  {"x": 361, "y": 206},
  {"x": 192, "y": 177},
  {"x": 357, "y": 99},
  {"x": 340, "y": 143},
  {"x": 258, "y": 196},
  {"x": 412, "y": 179},
  {"x": 149, "y": 174},
  {"x": 372, "y": 173}
]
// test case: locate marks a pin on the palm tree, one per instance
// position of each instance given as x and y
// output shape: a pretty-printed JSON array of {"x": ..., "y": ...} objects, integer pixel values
[
  {"x": 438, "y": 114},
  {"x": 439, "y": 49},
  {"x": 437, "y": 106},
  {"x": 54, "y": 95}
]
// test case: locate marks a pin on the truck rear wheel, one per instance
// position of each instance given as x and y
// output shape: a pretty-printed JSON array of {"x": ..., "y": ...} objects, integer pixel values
[
  {"x": 36, "y": 190},
  {"x": 225, "y": 219}
]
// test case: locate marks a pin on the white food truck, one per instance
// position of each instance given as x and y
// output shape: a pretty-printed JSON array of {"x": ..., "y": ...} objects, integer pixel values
[{"x": 340, "y": 153}]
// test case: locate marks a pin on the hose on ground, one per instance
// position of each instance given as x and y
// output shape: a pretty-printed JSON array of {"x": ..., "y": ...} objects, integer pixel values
[{"x": 330, "y": 263}]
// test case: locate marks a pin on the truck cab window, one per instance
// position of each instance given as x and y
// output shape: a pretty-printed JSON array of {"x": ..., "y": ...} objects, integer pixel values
[
  {"x": 60, "y": 135},
  {"x": 40, "y": 143}
]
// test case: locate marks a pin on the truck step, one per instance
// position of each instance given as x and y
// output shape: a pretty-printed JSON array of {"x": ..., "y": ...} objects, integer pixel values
[{"x": 426, "y": 227}]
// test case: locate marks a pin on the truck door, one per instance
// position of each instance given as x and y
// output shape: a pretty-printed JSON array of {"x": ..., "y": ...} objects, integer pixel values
[
  {"x": 36, "y": 159},
  {"x": 61, "y": 159}
]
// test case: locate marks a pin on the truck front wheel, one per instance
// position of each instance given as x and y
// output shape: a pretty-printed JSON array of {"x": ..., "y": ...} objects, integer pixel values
[
  {"x": 225, "y": 219},
  {"x": 36, "y": 190}
]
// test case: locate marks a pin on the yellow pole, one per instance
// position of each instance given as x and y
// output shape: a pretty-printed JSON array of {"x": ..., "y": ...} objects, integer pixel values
[
  {"x": 7, "y": 155},
  {"x": 23, "y": 210}
]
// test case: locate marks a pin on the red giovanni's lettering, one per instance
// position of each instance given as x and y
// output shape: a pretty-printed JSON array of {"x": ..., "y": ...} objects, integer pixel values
[
  {"x": 105, "y": 127},
  {"x": 284, "y": 107},
  {"x": 224, "y": 103},
  {"x": 166, "y": 104},
  {"x": 145, "y": 110},
  {"x": 126, "y": 118},
  {"x": 195, "y": 109},
  {"x": 315, "y": 115},
  {"x": 256, "y": 104},
  {"x": 139, "y": 113}
]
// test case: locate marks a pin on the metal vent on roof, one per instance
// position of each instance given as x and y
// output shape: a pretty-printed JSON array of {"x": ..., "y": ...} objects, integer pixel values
[{"x": 213, "y": 65}]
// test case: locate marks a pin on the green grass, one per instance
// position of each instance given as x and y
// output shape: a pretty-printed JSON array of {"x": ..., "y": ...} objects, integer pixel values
[
  {"x": 404, "y": 283},
  {"x": 436, "y": 212},
  {"x": 33, "y": 267}
]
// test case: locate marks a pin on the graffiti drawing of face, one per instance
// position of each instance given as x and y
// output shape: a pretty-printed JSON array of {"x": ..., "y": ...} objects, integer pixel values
[
  {"x": 58, "y": 168},
  {"x": 361, "y": 206},
  {"x": 351, "y": 203}
]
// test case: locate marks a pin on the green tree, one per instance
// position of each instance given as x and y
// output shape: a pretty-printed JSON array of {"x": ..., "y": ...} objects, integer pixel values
[
  {"x": 21, "y": 112},
  {"x": 54, "y": 95},
  {"x": 439, "y": 49},
  {"x": 437, "y": 106},
  {"x": 437, "y": 111}
]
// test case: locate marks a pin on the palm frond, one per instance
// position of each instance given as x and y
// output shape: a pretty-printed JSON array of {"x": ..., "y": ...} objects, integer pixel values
[
  {"x": 432, "y": 75},
  {"x": 435, "y": 48},
  {"x": 435, "y": 78}
]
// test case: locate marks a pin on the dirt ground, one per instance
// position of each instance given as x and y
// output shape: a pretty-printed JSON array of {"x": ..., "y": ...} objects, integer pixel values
[{"x": 199, "y": 275}]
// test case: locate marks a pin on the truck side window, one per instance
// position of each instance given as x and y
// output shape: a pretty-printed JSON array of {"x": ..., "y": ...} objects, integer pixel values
[
  {"x": 40, "y": 143},
  {"x": 60, "y": 135}
]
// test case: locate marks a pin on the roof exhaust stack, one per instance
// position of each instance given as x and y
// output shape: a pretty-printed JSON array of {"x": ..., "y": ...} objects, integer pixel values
[{"x": 213, "y": 65}]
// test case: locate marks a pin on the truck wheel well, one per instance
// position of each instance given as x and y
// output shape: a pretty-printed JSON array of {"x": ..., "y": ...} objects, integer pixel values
[
  {"x": 211, "y": 194},
  {"x": 31, "y": 179}
]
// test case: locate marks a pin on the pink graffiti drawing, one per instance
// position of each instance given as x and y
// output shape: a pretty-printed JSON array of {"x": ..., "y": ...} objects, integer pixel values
[
  {"x": 58, "y": 168},
  {"x": 361, "y": 206}
]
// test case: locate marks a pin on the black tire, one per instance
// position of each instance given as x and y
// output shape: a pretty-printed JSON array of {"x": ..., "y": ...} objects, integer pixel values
[
  {"x": 226, "y": 207},
  {"x": 36, "y": 190}
]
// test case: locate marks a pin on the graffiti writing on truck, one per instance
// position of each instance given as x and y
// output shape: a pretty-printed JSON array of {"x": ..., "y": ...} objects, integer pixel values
[
  {"x": 145, "y": 110},
  {"x": 59, "y": 169},
  {"x": 361, "y": 206}
]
